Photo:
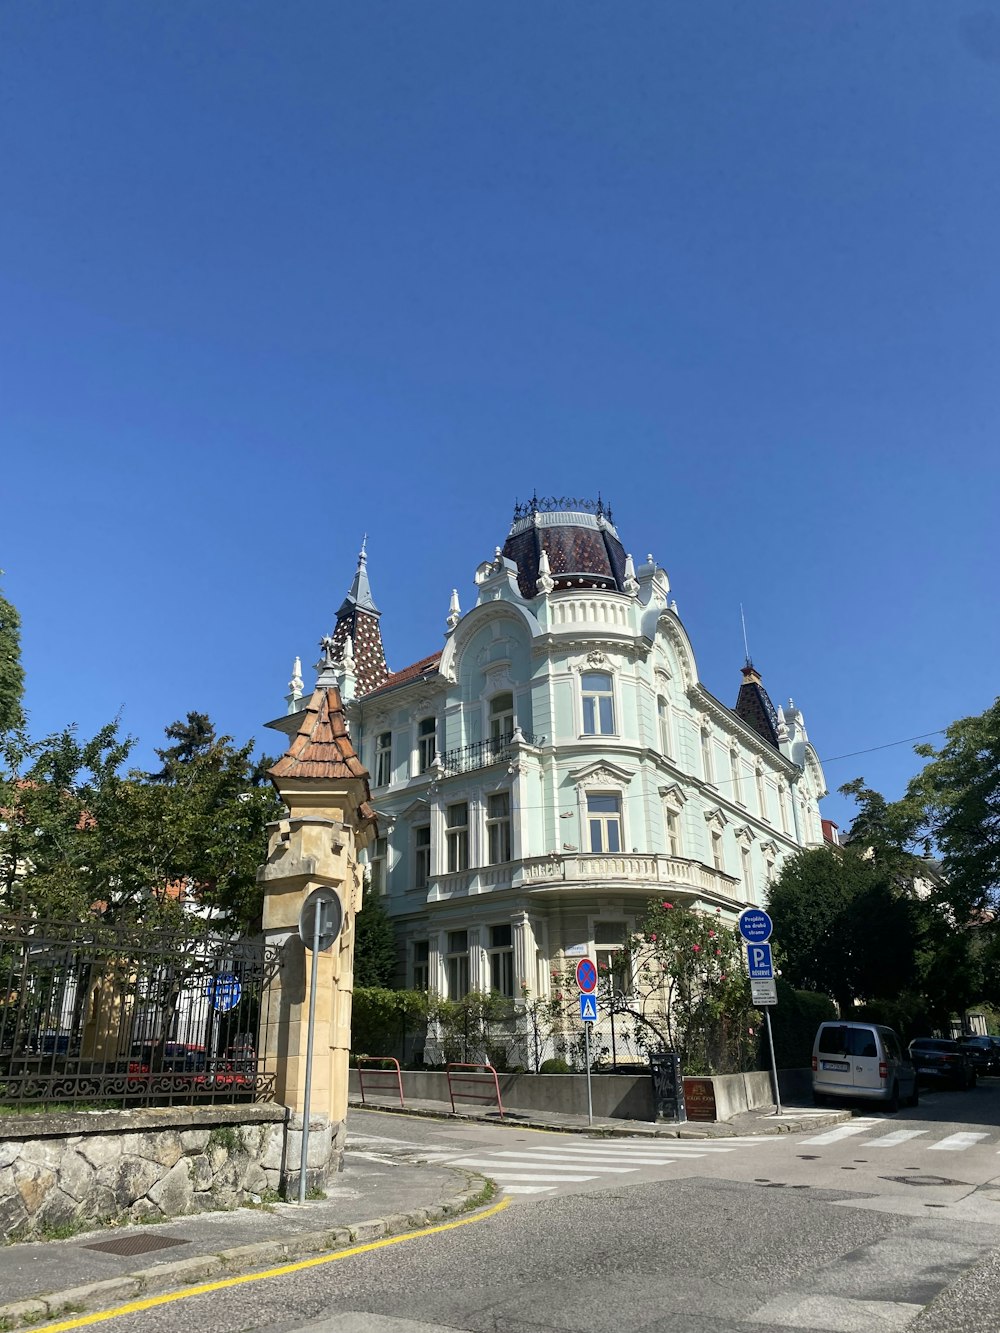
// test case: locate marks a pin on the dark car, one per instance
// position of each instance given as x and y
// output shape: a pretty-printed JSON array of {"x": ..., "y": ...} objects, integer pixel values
[
  {"x": 984, "y": 1055},
  {"x": 939, "y": 1060}
]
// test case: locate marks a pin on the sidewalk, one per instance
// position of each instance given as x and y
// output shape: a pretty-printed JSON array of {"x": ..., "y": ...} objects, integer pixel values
[
  {"x": 47, "y": 1279},
  {"x": 763, "y": 1121}
]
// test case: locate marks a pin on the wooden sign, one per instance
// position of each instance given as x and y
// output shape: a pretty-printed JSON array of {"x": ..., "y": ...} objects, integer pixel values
[{"x": 699, "y": 1097}]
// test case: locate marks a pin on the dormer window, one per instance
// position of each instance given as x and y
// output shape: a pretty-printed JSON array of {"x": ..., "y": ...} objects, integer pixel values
[
  {"x": 501, "y": 716},
  {"x": 598, "y": 703}
]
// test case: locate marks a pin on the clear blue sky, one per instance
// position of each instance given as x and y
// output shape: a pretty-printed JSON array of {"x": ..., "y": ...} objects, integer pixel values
[{"x": 275, "y": 275}]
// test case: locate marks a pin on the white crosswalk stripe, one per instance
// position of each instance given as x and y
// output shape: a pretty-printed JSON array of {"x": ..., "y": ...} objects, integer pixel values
[
  {"x": 841, "y": 1132},
  {"x": 896, "y": 1137},
  {"x": 957, "y": 1142}
]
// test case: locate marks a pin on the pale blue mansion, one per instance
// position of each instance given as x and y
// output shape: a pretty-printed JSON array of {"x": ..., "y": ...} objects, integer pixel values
[{"x": 558, "y": 762}]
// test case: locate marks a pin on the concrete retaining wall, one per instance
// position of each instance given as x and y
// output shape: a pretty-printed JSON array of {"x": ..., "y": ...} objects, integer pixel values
[
  {"x": 616, "y": 1096},
  {"x": 102, "y": 1166}
]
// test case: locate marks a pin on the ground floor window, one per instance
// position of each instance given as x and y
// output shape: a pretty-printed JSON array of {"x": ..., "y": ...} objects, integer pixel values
[
  {"x": 421, "y": 965},
  {"x": 458, "y": 964},
  {"x": 501, "y": 955},
  {"x": 610, "y": 940}
]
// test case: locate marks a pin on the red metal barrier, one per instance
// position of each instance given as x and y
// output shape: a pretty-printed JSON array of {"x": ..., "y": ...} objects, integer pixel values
[
  {"x": 395, "y": 1078},
  {"x": 485, "y": 1076}
]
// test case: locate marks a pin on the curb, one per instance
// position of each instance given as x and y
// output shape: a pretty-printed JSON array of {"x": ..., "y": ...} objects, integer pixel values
[
  {"x": 95, "y": 1296},
  {"x": 783, "y": 1126}
]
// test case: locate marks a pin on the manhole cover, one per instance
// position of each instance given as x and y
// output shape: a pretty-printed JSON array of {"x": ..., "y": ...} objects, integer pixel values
[
  {"x": 142, "y": 1243},
  {"x": 922, "y": 1180}
]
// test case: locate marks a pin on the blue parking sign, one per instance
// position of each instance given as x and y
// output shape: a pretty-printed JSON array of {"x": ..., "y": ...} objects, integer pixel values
[{"x": 759, "y": 962}]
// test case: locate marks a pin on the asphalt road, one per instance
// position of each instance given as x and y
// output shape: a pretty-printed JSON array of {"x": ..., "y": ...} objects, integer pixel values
[{"x": 886, "y": 1223}]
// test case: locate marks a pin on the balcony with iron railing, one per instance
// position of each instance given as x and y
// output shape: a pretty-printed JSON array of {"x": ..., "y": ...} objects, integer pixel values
[{"x": 481, "y": 754}]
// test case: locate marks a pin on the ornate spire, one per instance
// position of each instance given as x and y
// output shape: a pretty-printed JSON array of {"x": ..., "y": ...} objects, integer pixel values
[
  {"x": 454, "y": 611},
  {"x": 356, "y": 642},
  {"x": 630, "y": 584},
  {"x": 545, "y": 582},
  {"x": 294, "y": 686}
]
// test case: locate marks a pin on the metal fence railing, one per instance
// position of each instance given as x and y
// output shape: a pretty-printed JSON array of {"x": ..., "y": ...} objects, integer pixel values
[{"x": 104, "y": 1016}]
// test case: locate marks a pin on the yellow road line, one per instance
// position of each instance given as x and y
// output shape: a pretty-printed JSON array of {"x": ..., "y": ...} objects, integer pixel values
[{"x": 133, "y": 1307}]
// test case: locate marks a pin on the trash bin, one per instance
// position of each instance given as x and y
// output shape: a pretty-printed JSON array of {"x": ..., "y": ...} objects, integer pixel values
[{"x": 668, "y": 1086}]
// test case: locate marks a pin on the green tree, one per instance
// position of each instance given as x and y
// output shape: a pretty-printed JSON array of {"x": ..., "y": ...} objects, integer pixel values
[
  {"x": 844, "y": 926},
  {"x": 11, "y": 671},
  {"x": 375, "y": 958},
  {"x": 954, "y": 803}
]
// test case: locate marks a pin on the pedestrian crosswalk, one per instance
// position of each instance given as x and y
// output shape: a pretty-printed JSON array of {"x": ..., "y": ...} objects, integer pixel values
[
  {"x": 957, "y": 1142},
  {"x": 541, "y": 1168}
]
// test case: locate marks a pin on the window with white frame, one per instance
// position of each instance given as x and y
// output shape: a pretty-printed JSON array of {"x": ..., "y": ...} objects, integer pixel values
[
  {"x": 598, "y": 703},
  {"x": 421, "y": 856},
  {"x": 458, "y": 964},
  {"x": 746, "y": 869},
  {"x": 734, "y": 767},
  {"x": 426, "y": 743},
  {"x": 717, "y": 857},
  {"x": 421, "y": 965},
  {"x": 769, "y": 867},
  {"x": 383, "y": 759},
  {"x": 501, "y": 956},
  {"x": 706, "y": 755},
  {"x": 672, "y": 827},
  {"x": 501, "y": 716},
  {"x": 377, "y": 860},
  {"x": 761, "y": 793},
  {"x": 663, "y": 723},
  {"x": 604, "y": 822},
  {"x": 610, "y": 939},
  {"x": 783, "y": 802},
  {"x": 457, "y": 836},
  {"x": 498, "y": 827}
]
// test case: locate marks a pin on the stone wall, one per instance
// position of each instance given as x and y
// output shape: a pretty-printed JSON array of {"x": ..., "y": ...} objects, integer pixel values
[{"x": 105, "y": 1166}]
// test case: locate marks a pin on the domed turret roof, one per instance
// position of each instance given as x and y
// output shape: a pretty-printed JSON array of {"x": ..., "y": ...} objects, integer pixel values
[{"x": 579, "y": 538}]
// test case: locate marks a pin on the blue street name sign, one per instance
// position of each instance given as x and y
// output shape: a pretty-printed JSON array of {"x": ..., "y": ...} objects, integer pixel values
[
  {"x": 755, "y": 925},
  {"x": 759, "y": 961},
  {"x": 588, "y": 1008}
]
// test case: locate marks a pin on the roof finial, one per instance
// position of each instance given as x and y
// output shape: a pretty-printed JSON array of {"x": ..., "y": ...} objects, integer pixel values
[
  {"x": 363, "y": 554},
  {"x": 746, "y": 645},
  {"x": 294, "y": 686},
  {"x": 454, "y": 611}
]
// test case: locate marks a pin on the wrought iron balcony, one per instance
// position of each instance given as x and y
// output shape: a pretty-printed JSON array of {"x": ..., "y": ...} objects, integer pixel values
[{"x": 481, "y": 754}]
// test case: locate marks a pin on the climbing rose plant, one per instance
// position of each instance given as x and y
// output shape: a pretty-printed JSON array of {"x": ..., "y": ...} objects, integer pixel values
[{"x": 682, "y": 982}]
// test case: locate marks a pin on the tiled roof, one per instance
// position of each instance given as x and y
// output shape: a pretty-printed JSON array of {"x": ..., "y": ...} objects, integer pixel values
[
  {"x": 425, "y": 667},
  {"x": 322, "y": 748},
  {"x": 583, "y": 551},
  {"x": 755, "y": 708}
]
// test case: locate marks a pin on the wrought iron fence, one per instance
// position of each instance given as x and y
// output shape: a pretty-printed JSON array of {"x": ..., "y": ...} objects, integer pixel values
[{"x": 91, "y": 1014}]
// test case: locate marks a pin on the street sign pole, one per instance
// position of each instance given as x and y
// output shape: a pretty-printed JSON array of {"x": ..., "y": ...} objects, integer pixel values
[
  {"x": 774, "y": 1065},
  {"x": 590, "y": 1100},
  {"x": 314, "y": 979}
]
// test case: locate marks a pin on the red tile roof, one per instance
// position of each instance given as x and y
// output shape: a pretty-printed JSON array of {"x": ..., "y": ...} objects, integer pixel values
[
  {"x": 322, "y": 748},
  {"x": 425, "y": 667}
]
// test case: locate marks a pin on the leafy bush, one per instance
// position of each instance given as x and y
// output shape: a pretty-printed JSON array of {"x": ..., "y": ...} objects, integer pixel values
[
  {"x": 555, "y": 1066},
  {"x": 381, "y": 1017},
  {"x": 794, "y": 1022}
]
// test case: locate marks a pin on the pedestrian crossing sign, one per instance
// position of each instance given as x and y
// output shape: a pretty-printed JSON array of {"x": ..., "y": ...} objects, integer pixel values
[{"x": 588, "y": 1008}]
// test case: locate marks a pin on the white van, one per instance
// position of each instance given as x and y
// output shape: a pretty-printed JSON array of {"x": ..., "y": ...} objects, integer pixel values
[{"x": 862, "y": 1060}]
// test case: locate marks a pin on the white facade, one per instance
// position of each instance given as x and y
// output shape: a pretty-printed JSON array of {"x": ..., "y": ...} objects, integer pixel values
[{"x": 559, "y": 764}]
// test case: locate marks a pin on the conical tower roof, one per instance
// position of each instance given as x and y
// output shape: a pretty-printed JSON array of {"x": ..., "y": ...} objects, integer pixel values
[
  {"x": 754, "y": 706},
  {"x": 358, "y": 618}
]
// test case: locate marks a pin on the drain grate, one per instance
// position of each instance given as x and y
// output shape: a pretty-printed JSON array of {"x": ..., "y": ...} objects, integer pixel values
[
  {"x": 922, "y": 1180},
  {"x": 141, "y": 1243}
]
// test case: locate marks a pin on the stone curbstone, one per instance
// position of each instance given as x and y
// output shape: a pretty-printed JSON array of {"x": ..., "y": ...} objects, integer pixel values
[
  {"x": 183, "y": 1270},
  {"x": 30, "y": 1311}
]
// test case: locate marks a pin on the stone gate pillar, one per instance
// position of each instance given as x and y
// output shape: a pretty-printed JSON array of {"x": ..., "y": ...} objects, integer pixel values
[{"x": 325, "y": 787}]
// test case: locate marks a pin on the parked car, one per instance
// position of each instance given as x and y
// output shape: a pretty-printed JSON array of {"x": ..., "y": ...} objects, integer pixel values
[
  {"x": 863, "y": 1060},
  {"x": 940, "y": 1060},
  {"x": 984, "y": 1055}
]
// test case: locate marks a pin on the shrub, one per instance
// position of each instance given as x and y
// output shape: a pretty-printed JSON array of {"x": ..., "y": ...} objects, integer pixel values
[
  {"x": 557, "y": 1065},
  {"x": 794, "y": 1022}
]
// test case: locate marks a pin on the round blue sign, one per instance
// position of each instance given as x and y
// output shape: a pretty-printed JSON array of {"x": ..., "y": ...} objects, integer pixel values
[
  {"x": 755, "y": 925},
  {"x": 224, "y": 992}
]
